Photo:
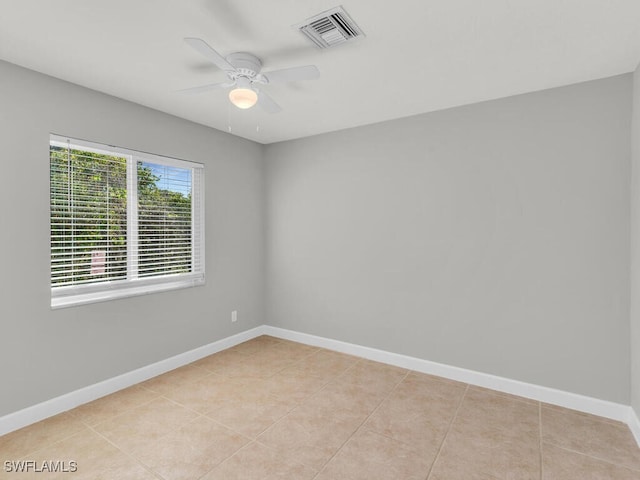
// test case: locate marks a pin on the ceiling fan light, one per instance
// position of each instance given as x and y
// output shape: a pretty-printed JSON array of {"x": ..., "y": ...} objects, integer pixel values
[{"x": 243, "y": 97}]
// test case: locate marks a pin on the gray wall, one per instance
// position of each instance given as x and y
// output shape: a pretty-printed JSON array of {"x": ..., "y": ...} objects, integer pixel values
[
  {"x": 46, "y": 353},
  {"x": 493, "y": 237},
  {"x": 635, "y": 246}
]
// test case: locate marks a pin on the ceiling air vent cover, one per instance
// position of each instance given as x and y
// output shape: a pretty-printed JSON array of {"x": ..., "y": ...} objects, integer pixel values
[{"x": 330, "y": 28}]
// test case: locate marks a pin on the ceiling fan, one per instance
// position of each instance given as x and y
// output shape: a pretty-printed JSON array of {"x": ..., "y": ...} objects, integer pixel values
[{"x": 243, "y": 70}]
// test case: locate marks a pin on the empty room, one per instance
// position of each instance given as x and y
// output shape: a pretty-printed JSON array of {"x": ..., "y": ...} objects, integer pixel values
[{"x": 278, "y": 239}]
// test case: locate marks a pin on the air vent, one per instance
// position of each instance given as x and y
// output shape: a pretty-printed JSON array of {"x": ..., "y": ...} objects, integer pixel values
[{"x": 330, "y": 28}]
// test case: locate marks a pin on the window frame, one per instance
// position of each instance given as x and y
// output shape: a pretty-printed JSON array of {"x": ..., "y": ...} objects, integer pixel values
[{"x": 71, "y": 295}]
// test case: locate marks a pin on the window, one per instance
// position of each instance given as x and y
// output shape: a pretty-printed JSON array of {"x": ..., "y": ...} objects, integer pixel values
[{"x": 122, "y": 222}]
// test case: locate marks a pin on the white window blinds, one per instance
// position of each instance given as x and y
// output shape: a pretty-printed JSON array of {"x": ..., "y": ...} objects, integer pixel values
[
  {"x": 88, "y": 216},
  {"x": 122, "y": 222},
  {"x": 164, "y": 220}
]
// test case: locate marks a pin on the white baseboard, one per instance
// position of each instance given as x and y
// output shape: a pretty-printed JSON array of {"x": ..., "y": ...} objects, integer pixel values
[
  {"x": 35, "y": 413},
  {"x": 634, "y": 424},
  {"x": 602, "y": 408}
]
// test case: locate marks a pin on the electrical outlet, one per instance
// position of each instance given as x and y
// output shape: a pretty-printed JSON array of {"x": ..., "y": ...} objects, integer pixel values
[{"x": 234, "y": 316}]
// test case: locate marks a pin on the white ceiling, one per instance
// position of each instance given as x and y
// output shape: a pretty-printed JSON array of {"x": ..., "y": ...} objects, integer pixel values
[{"x": 417, "y": 56}]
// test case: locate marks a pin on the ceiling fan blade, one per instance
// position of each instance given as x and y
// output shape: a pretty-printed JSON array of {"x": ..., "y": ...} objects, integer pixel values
[
  {"x": 205, "y": 49},
  {"x": 308, "y": 72},
  {"x": 206, "y": 88},
  {"x": 267, "y": 103}
]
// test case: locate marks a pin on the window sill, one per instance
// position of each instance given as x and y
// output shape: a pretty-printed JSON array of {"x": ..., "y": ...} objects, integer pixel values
[{"x": 59, "y": 300}]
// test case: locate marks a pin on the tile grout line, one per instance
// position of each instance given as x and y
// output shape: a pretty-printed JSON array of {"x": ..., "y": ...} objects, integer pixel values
[
  {"x": 362, "y": 424},
  {"x": 592, "y": 416},
  {"x": 251, "y": 442},
  {"x": 402, "y": 442},
  {"x": 510, "y": 396},
  {"x": 444, "y": 438},
  {"x": 163, "y": 397},
  {"x": 600, "y": 459},
  {"x": 295, "y": 362},
  {"x": 322, "y": 387},
  {"x": 324, "y": 383},
  {"x": 54, "y": 442},
  {"x": 199, "y": 415},
  {"x": 128, "y": 455},
  {"x": 298, "y": 404},
  {"x": 126, "y": 410},
  {"x": 203, "y": 415}
]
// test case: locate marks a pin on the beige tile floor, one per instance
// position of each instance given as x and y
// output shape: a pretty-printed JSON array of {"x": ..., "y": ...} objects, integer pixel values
[{"x": 274, "y": 409}]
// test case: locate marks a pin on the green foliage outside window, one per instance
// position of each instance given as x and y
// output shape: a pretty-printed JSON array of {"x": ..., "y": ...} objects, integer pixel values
[{"x": 89, "y": 220}]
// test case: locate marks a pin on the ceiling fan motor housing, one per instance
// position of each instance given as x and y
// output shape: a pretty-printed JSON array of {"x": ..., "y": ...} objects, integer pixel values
[{"x": 246, "y": 65}]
